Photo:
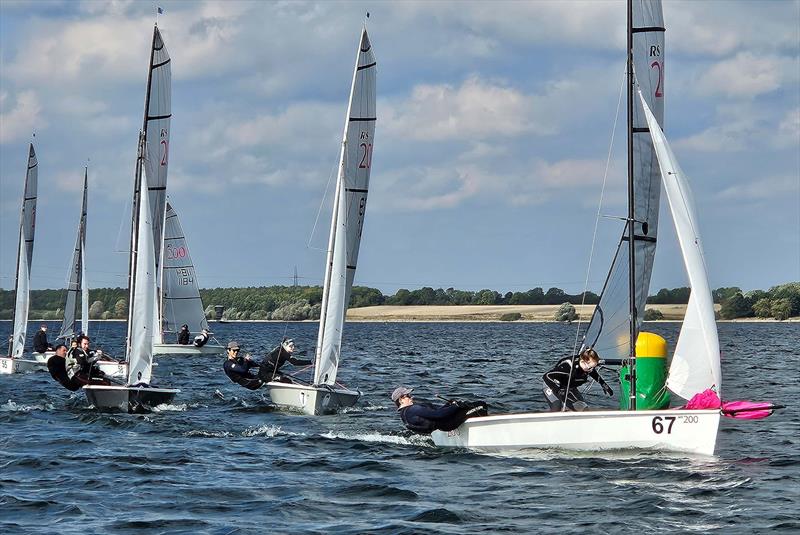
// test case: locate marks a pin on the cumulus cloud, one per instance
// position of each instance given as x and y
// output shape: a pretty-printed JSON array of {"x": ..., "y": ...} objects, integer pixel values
[
  {"x": 746, "y": 75},
  {"x": 762, "y": 189},
  {"x": 22, "y": 119},
  {"x": 474, "y": 110}
]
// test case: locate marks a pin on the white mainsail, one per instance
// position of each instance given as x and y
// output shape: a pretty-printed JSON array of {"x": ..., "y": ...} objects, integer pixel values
[
  {"x": 696, "y": 362},
  {"x": 142, "y": 297},
  {"x": 180, "y": 294},
  {"x": 27, "y": 230},
  {"x": 158, "y": 112},
  {"x": 609, "y": 330},
  {"x": 347, "y": 221},
  {"x": 77, "y": 278}
]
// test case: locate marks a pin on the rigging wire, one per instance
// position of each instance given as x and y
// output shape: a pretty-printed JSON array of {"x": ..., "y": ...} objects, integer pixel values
[
  {"x": 334, "y": 169},
  {"x": 598, "y": 216}
]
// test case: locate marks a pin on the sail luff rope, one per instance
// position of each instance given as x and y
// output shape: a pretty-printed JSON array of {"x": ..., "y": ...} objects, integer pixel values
[{"x": 594, "y": 237}]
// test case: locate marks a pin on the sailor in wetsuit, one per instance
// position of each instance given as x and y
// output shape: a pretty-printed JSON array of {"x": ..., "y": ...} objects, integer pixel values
[
  {"x": 183, "y": 335},
  {"x": 424, "y": 418},
  {"x": 562, "y": 381},
  {"x": 202, "y": 339},
  {"x": 275, "y": 359},
  {"x": 40, "y": 343},
  {"x": 238, "y": 368},
  {"x": 77, "y": 368},
  {"x": 57, "y": 365}
]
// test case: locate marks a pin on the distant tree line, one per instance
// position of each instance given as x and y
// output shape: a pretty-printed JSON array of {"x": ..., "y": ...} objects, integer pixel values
[{"x": 304, "y": 302}]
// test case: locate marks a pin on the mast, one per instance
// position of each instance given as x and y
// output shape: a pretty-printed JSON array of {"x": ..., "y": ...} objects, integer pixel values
[
  {"x": 84, "y": 285},
  {"x": 631, "y": 215}
]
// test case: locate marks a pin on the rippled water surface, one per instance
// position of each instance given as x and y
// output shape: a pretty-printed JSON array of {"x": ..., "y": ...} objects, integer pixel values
[{"x": 221, "y": 460}]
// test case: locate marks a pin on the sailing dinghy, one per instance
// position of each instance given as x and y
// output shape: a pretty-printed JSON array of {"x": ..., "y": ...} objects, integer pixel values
[
  {"x": 77, "y": 286},
  {"x": 146, "y": 232},
  {"x": 695, "y": 369},
  {"x": 325, "y": 395},
  {"x": 14, "y": 362},
  {"x": 180, "y": 294}
]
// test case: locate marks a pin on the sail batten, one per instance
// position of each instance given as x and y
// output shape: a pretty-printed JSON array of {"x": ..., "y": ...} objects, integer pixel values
[
  {"x": 609, "y": 329},
  {"x": 347, "y": 219},
  {"x": 180, "y": 295},
  {"x": 27, "y": 231}
]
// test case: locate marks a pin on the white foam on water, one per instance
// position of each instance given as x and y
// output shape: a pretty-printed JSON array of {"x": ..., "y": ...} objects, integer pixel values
[
  {"x": 12, "y": 406},
  {"x": 166, "y": 407},
  {"x": 269, "y": 431},
  {"x": 375, "y": 436},
  {"x": 207, "y": 434}
]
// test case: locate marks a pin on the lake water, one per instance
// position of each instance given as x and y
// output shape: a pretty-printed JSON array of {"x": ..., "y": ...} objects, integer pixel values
[{"x": 222, "y": 461}]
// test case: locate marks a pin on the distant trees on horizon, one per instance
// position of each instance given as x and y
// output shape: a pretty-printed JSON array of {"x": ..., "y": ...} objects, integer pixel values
[{"x": 304, "y": 302}]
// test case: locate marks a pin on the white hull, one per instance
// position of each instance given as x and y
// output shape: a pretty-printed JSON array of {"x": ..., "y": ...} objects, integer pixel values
[
  {"x": 127, "y": 398},
  {"x": 9, "y": 365},
  {"x": 662, "y": 430},
  {"x": 312, "y": 400},
  {"x": 190, "y": 349}
]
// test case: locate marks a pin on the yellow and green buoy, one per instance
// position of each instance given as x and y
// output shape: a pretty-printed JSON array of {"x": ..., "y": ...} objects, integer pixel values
[{"x": 651, "y": 374}]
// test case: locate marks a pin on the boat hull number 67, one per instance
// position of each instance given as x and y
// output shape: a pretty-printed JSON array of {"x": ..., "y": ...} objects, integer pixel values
[{"x": 663, "y": 424}]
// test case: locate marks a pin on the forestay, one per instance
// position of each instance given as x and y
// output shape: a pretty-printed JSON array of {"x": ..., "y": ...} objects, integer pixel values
[
  {"x": 77, "y": 278},
  {"x": 142, "y": 298},
  {"x": 180, "y": 294},
  {"x": 696, "y": 362},
  {"x": 609, "y": 329},
  {"x": 350, "y": 203},
  {"x": 27, "y": 229},
  {"x": 158, "y": 112}
]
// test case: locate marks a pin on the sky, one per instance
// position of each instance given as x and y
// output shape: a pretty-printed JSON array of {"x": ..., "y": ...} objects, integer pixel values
[{"x": 493, "y": 136}]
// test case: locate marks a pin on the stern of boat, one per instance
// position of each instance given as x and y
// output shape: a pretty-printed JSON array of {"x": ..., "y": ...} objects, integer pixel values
[
  {"x": 128, "y": 399},
  {"x": 311, "y": 400},
  {"x": 9, "y": 365}
]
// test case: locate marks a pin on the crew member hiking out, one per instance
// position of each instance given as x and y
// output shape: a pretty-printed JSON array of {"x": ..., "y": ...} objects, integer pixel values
[
  {"x": 237, "y": 368},
  {"x": 562, "y": 381},
  {"x": 275, "y": 359},
  {"x": 202, "y": 339},
  {"x": 424, "y": 418},
  {"x": 78, "y": 366}
]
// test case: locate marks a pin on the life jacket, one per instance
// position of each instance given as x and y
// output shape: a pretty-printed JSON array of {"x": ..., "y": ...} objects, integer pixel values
[{"x": 425, "y": 427}]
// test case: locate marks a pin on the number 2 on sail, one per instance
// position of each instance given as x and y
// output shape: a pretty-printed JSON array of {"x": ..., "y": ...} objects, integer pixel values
[{"x": 366, "y": 158}]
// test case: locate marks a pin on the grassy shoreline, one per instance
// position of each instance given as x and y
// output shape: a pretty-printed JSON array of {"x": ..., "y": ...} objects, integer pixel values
[{"x": 483, "y": 313}]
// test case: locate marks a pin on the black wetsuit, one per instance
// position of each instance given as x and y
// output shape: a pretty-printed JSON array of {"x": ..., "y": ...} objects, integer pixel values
[
  {"x": 40, "y": 344},
  {"x": 558, "y": 378},
  {"x": 273, "y": 362},
  {"x": 424, "y": 418},
  {"x": 183, "y": 337},
  {"x": 75, "y": 370},
  {"x": 238, "y": 371}
]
